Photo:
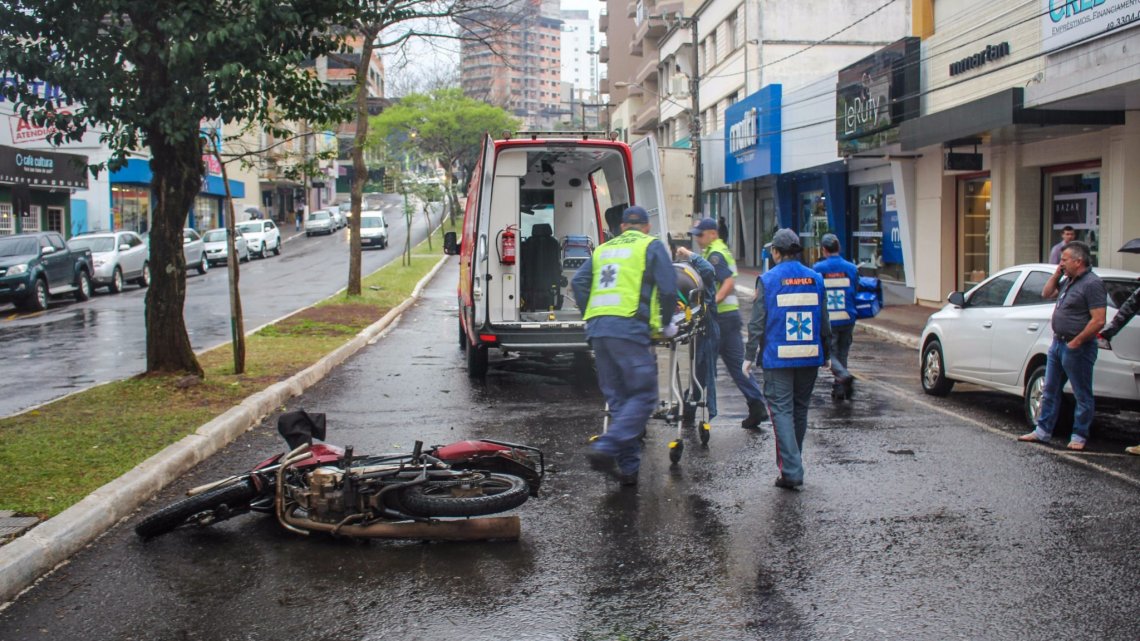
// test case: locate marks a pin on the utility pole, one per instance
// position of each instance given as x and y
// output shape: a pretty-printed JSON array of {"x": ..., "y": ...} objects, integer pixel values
[{"x": 695, "y": 122}]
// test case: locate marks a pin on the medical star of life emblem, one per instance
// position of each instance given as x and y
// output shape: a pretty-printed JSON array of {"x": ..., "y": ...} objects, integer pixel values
[
  {"x": 799, "y": 326},
  {"x": 836, "y": 299},
  {"x": 608, "y": 277}
]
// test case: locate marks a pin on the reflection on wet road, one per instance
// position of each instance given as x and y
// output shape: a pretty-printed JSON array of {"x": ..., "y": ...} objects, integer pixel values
[
  {"x": 72, "y": 346},
  {"x": 914, "y": 523}
]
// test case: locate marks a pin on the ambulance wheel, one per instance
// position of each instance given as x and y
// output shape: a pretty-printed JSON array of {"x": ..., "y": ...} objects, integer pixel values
[
  {"x": 476, "y": 361},
  {"x": 704, "y": 431},
  {"x": 675, "y": 449}
]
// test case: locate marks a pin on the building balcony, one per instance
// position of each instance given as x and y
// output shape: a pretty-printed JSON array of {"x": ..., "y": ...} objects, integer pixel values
[
  {"x": 636, "y": 48},
  {"x": 646, "y": 74},
  {"x": 647, "y": 118},
  {"x": 651, "y": 27},
  {"x": 604, "y": 22},
  {"x": 631, "y": 9},
  {"x": 604, "y": 53},
  {"x": 604, "y": 85}
]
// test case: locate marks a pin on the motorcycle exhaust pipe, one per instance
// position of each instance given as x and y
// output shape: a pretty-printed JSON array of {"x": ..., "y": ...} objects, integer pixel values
[{"x": 501, "y": 528}]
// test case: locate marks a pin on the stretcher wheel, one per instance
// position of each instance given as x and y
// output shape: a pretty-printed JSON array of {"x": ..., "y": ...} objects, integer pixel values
[
  {"x": 675, "y": 449},
  {"x": 593, "y": 438},
  {"x": 704, "y": 431}
]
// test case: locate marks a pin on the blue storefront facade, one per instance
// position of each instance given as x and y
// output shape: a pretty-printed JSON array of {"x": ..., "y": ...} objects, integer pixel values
[
  {"x": 132, "y": 199},
  {"x": 752, "y": 158}
]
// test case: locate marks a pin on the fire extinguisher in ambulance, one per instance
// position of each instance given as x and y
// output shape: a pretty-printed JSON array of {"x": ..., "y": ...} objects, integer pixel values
[{"x": 507, "y": 246}]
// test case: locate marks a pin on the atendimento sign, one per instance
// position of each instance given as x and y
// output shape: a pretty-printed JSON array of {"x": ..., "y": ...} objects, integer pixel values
[
  {"x": 989, "y": 54},
  {"x": 1069, "y": 22}
]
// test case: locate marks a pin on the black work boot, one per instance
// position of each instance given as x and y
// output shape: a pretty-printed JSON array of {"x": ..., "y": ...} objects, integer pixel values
[{"x": 757, "y": 414}]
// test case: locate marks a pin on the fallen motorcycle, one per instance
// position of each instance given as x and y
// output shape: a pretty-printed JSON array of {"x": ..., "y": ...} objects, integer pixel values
[{"x": 318, "y": 487}]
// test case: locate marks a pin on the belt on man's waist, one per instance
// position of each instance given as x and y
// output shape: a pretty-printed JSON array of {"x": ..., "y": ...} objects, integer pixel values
[{"x": 1064, "y": 338}]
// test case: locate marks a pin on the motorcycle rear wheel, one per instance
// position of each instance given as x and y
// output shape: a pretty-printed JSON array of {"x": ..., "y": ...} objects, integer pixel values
[
  {"x": 499, "y": 493},
  {"x": 216, "y": 505}
]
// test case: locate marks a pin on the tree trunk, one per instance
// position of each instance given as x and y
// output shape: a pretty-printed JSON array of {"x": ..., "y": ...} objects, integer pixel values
[
  {"x": 452, "y": 195},
  {"x": 178, "y": 170},
  {"x": 359, "y": 170}
]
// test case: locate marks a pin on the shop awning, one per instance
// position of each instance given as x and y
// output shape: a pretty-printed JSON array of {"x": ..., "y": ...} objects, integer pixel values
[
  {"x": 1000, "y": 115},
  {"x": 137, "y": 171}
]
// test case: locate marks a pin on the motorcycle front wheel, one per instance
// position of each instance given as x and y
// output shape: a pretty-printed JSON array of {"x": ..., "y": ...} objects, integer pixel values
[
  {"x": 206, "y": 508},
  {"x": 485, "y": 494}
]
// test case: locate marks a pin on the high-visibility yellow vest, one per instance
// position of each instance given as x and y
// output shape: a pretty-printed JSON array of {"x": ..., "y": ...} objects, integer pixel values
[
  {"x": 618, "y": 272},
  {"x": 730, "y": 302}
]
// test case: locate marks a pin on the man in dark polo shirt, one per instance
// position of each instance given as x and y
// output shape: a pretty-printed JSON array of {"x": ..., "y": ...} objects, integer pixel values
[{"x": 1079, "y": 315}]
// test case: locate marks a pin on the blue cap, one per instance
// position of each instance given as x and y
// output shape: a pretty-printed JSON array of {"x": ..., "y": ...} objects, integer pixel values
[
  {"x": 635, "y": 215},
  {"x": 703, "y": 226}
]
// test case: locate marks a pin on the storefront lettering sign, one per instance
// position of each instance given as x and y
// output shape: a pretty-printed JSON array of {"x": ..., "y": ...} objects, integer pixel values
[
  {"x": 42, "y": 168},
  {"x": 875, "y": 94},
  {"x": 742, "y": 135},
  {"x": 1069, "y": 22},
  {"x": 989, "y": 54}
]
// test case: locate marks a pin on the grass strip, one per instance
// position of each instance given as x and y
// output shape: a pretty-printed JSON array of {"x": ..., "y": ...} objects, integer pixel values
[{"x": 54, "y": 456}]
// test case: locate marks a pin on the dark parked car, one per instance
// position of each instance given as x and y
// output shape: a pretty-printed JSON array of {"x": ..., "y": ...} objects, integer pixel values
[{"x": 38, "y": 265}]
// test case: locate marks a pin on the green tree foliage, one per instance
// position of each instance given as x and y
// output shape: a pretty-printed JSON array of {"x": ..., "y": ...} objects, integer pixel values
[
  {"x": 449, "y": 129},
  {"x": 148, "y": 74}
]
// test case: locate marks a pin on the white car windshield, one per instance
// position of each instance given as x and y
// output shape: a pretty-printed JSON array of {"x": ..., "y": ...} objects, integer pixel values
[
  {"x": 320, "y": 215},
  {"x": 214, "y": 236},
  {"x": 96, "y": 244},
  {"x": 371, "y": 221},
  {"x": 250, "y": 228}
]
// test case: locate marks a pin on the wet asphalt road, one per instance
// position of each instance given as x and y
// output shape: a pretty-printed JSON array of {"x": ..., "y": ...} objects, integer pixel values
[
  {"x": 72, "y": 346},
  {"x": 920, "y": 519}
]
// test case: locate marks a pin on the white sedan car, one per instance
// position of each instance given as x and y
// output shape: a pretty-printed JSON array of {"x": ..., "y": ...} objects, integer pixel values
[
  {"x": 262, "y": 237},
  {"x": 998, "y": 335},
  {"x": 217, "y": 250}
]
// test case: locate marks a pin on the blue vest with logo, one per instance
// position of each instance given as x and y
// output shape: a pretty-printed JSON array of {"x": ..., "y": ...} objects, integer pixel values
[
  {"x": 839, "y": 278},
  {"x": 792, "y": 334}
]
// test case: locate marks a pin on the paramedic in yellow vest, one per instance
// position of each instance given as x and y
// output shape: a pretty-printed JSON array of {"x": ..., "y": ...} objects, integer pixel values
[
  {"x": 731, "y": 345},
  {"x": 628, "y": 292}
]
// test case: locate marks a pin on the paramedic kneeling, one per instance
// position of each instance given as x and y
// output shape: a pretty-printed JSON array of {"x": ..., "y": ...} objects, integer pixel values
[
  {"x": 628, "y": 290},
  {"x": 788, "y": 335}
]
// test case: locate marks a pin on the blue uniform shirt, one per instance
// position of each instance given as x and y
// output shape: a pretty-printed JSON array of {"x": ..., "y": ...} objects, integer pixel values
[{"x": 658, "y": 272}]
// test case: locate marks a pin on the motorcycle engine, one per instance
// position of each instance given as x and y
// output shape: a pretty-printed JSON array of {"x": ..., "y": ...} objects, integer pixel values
[{"x": 324, "y": 498}]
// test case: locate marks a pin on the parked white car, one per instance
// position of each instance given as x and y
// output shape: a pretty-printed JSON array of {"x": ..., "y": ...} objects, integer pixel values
[
  {"x": 319, "y": 222},
  {"x": 373, "y": 229},
  {"x": 340, "y": 221},
  {"x": 216, "y": 246},
  {"x": 998, "y": 335},
  {"x": 119, "y": 257},
  {"x": 262, "y": 237},
  {"x": 194, "y": 250}
]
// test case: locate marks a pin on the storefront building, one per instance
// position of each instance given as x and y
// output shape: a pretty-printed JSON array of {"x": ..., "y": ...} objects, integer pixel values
[
  {"x": 36, "y": 188},
  {"x": 133, "y": 200},
  {"x": 751, "y": 162},
  {"x": 1025, "y": 129},
  {"x": 874, "y": 96}
]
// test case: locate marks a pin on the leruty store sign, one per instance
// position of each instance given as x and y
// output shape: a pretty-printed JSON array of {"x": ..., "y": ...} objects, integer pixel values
[{"x": 1068, "y": 22}]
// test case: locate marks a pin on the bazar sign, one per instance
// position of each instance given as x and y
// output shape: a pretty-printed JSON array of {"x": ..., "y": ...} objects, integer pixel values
[{"x": 1065, "y": 23}]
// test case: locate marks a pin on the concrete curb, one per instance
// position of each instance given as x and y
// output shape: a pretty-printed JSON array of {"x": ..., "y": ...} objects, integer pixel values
[
  {"x": 902, "y": 338},
  {"x": 41, "y": 549}
]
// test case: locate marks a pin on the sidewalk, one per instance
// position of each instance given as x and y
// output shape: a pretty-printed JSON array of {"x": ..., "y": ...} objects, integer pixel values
[{"x": 899, "y": 323}]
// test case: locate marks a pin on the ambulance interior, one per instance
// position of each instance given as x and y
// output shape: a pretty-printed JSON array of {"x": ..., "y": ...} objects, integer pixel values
[{"x": 552, "y": 199}]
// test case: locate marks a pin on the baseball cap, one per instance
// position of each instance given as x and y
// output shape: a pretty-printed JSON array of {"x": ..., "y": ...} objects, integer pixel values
[
  {"x": 787, "y": 241},
  {"x": 635, "y": 215},
  {"x": 704, "y": 225},
  {"x": 830, "y": 242}
]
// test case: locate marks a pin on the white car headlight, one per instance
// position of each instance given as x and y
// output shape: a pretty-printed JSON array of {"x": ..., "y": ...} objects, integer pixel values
[{"x": 17, "y": 269}]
